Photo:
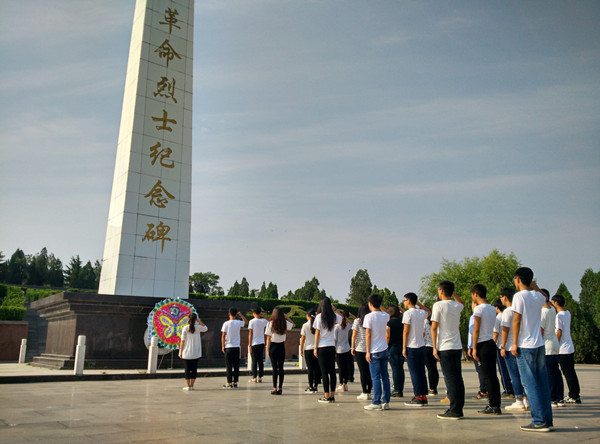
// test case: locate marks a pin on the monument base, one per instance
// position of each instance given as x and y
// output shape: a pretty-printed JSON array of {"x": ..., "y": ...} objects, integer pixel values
[{"x": 114, "y": 327}]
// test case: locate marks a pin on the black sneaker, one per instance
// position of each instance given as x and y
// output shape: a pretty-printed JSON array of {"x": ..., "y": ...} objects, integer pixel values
[
  {"x": 508, "y": 395},
  {"x": 325, "y": 400},
  {"x": 569, "y": 400},
  {"x": 449, "y": 415},
  {"x": 537, "y": 428},
  {"x": 433, "y": 392},
  {"x": 491, "y": 411},
  {"x": 416, "y": 402}
]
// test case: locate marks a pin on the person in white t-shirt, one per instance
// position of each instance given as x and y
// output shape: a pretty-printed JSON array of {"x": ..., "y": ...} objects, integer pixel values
[
  {"x": 375, "y": 324},
  {"x": 324, "y": 326},
  {"x": 413, "y": 347},
  {"x": 566, "y": 351},
  {"x": 447, "y": 346},
  {"x": 344, "y": 358},
  {"x": 502, "y": 370},
  {"x": 230, "y": 345},
  {"x": 276, "y": 335},
  {"x": 307, "y": 349},
  {"x": 190, "y": 349},
  {"x": 548, "y": 325},
  {"x": 484, "y": 347},
  {"x": 256, "y": 344},
  {"x": 529, "y": 349}
]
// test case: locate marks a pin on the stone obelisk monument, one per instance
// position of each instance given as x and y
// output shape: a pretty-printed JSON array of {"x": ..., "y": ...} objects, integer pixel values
[{"x": 147, "y": 247}]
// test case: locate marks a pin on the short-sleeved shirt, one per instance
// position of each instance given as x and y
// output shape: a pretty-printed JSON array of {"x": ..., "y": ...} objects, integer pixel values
[
  {"x": 326, "y": 337},
  {"x": 396, "y": 332},
  {"x": 309, "y": 336},
  {"x": 360, "y": 342},
  {"x": 548, "y": 323},
  {"x": 192, "y": 346},
  {"x": 257, "y": 325},
  {"x": 563, "y": 323},
  {"x": 276, "y": 337},
  {"x": 447, "y": 314},
  {"x": 427, "y": 334},
  {"x": 231, "y": 329},
  {"x": 342, "y": 345},
  {"x": 415, "y": 317},
  {"x": 498, "y": 329},
  {"x": 487, "y": 314},
  {"x": 377, "y": 321},
  {"x": 529, "y": 305},
  {"x": 507, "y": 320}
]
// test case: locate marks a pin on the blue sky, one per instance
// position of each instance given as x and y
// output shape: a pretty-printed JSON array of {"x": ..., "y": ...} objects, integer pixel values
[{"x": 328, "y": 136}]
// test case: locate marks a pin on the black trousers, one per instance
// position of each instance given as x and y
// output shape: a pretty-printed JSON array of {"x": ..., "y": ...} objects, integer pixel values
[
  {"x": 327, "y": 364},
  {"x": 567, "y": 366},
  {"x": 365, "y": 372},
  {"x": 191, "y": 368},
  {"x": 557, "y": 388},
  {"x": 258, "y": 366},
  {"x": 433, "y": 376},
  {"x": 232, "y": 364},
  {"x": 277, "y": 355},
  {"x": 486, "y": 352},
  {"x": 314, "y": 371},
  {"x": 345, "y": 366},
  {"x": 451, "y": 367}
]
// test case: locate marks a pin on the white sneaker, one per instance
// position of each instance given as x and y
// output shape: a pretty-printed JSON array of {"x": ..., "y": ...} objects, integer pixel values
[
  {"x": 373, "y": 407},
  {"x": 385, "y": 406},
  {"x": 517, "y": 405},
  {"x": 340, "y": 388},
  {"x": 186, "y": 389},
  {"x": 363, "y": 397}
]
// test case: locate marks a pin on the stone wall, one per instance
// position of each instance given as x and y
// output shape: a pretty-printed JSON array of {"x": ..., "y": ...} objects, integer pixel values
[{"x": 11, "y": 333}]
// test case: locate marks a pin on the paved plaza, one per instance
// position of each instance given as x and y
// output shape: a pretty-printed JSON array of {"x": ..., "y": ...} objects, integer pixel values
[{"x": 157, "y": 410}]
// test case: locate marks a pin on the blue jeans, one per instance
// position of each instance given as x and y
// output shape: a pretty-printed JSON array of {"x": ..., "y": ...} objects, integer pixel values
[
  {"x": 534, "y": 377},
  {"x": 380, "y": 377},
  {"x": 397, "y": 364},
  {"x": 515, "y": 376},
  {"x": 415, "y": 358}
]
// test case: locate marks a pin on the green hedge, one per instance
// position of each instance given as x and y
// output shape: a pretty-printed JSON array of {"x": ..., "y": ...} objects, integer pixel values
[
  {"x": 34, "y": 294},
  {"x": 3, "y": 290},
  {"x": 12, "y": 313}
]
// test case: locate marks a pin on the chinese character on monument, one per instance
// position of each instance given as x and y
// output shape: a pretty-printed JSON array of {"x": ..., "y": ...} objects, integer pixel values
[
  {"x": 156, "y": 195},
  {"x": 160, "y": 234},
  {"x": 166, "y": 89},
  {"x": 164, "y": 121},
  {"x": 166, "y": 50},
  {"x": 170, "y": 19},
  {"x": 163, "y": 154}
]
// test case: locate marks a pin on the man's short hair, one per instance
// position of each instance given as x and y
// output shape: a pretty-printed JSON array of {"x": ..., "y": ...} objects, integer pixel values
[
  {"x": 233, "y": 311},
  {"x": 375, "y": 299},
  {"x": 559, "y": 299},
  {"x": 479, "y": 290},
  {"x": 412, "y": 298},
  {"x": 525, "y": 274},
  {"x": 257, "y": 310},
  {"x": 545, "y": 293},
  {"x": 499, "y": 305},
  {"x": 447, "y": 288},
  {"x": 508, "y": 293}
]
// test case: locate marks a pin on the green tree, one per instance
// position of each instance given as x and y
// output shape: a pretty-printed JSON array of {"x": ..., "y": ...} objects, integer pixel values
[
  {"x": 86, "y": 278},
  {"x": 73, "y": 271},
  {"x": 584, "y": 332},
  {"x": 3, "y": 266},
  {"x": 360, "y": 288},
  {"x": 495, "y": 271},
  {"x": 272, "y": 292},
  {"x": 240, "y": 289},
  {"x": 389, "y": 297},
  {"x": 205, "y": 283},
  {"x": 16, "y": 270},
  {"x": 38, "y": 268},
  {"x": 589, "y": 298},
  {"x": 55, "y": 276},
  {"x": 308, "y": 292}
]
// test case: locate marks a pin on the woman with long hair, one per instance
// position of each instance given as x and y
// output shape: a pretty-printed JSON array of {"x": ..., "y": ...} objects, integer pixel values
[
  {"x": 359, "y": 351},
  {"x": 276, "y": 330},
  {"x": 394, "y": 332},
  {"x": 190, "y": 349},
  {"x": 325, "y": 346},
  {"x": 307, "y": 349},
  {"x": 342, "y": 350}
]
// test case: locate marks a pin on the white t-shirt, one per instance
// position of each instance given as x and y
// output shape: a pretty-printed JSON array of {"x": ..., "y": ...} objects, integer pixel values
[
  {"x": 257, "y": 325},
  {"x": 549, "y": 336},
  {"x": 342, "y": 345},
  {"x": 415, "y": 317},
  {"x": 360, "y": 343},
  {"x": 427, "y": 334},
  {"x": 487, "y": 314},
  {"x": 309, "y": 337},
  {"x": 326, "y": 337},
  {"x": 231, "y": 329},
  {"x": 377, "y": 321},
  {"x": 498, "y": 329},
  {"x": 507, "y": 319},
  {"x": 447, "y": 314},
  {"x": 563, "y": 323},
  {"x": 276, "y": 337},
  {"x": 529, "y": 304},
  {"x": 192, "y": 347}
]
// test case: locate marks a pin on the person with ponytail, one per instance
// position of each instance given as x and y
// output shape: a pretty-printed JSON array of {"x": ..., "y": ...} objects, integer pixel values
[
  {"x": 276, "y": 330},
  {"x": 190, "y": 349},
  {"x": 307, "y": 349},
  {"x": 359, "y": 351},
  {"x": 325, "y": 346},
  {"x": 342, "y": 350}
]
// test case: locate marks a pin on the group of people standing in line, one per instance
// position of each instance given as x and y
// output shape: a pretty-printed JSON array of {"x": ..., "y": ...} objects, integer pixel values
[{"x": 525, "y": 333}]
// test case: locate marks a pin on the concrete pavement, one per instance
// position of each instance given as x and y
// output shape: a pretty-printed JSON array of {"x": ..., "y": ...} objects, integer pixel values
[{"x": 157, "y": 410}]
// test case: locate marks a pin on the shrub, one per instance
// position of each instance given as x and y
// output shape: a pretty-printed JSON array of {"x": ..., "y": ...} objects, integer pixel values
[
  {"x": 3, "y": 290},
  {"x": 12, "y": 308},
  {"x": 12, "y": 313},
  {"x": 33, "y": 294}
]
